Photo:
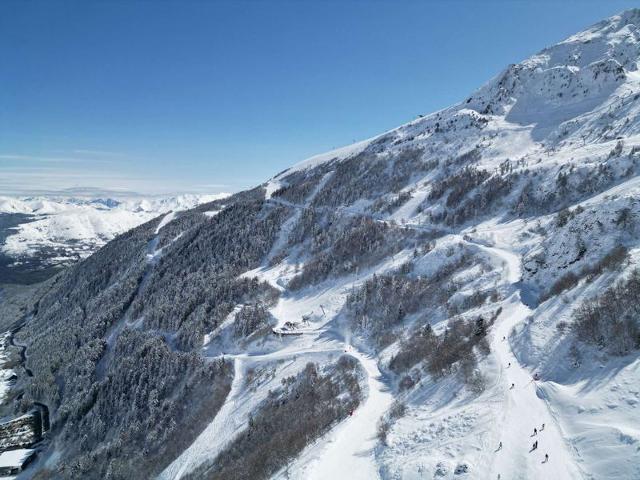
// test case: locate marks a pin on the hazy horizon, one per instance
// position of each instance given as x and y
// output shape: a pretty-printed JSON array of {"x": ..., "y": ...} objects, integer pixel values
[{"x": 171, "y": 97}]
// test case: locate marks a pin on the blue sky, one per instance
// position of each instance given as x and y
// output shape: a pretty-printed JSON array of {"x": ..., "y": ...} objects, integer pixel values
[{"x": 216, "y": 96}]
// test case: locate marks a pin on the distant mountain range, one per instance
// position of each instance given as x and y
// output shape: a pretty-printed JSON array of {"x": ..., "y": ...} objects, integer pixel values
[{"x": 40, "y": 234}]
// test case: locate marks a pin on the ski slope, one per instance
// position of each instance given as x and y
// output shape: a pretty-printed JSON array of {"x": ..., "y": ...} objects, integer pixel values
[
  {"x": 349, "y": 447},
  {"x": 522, "y": 411}
]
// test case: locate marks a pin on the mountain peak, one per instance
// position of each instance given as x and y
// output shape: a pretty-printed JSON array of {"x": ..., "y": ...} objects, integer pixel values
[{"x": 573, "y": 75}]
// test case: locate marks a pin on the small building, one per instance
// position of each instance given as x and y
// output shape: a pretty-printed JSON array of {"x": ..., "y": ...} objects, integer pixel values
[
  {"x": 12, "y": 462},
  {"x": 26, "y": 430}
]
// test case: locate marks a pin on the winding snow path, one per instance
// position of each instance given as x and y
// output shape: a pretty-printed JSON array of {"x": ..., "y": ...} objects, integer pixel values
[
  {"x": 523, "y": 408},
  {"x": 347, "y": 451},
  {"x": 349, "y": 446}
]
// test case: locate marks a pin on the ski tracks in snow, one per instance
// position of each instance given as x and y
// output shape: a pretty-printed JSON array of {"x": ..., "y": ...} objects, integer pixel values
[
  {"x": 347, "y": 451},
  {"x": 524, "y": 410},
  {"x": 216, "y": 435},
  {"x": 524, "y": 407}
]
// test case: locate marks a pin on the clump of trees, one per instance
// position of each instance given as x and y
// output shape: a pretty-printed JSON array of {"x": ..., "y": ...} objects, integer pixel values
[
  {"x": 612, "y": 320},
  {"x": 457, "y": 348},
  {"x": 299, "y": 185},
  {"x": 476, "y": 299},
  {"x": 251, "y": 319},
  {"x": 472, "y": 192},
  {"x": 384, "y": 301},
  {"x": 458, "y": 184},
  {"x": 346, "y": 245},
  {"x": 129, "y": 422},
  {"x": 305, "y": 407},
  {"x": 371, "y": 174},
  {"x": 389, "y": 204},
  {"x": 396, "y": 412},
  {"x": 195, "y": 284},
  {"x": 571, "y": 185}
]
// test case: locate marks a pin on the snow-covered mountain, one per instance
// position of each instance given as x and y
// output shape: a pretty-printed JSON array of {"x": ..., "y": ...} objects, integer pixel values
[
  {"x": 54, "y": 231},
  {"x": 455, "y": 298}
]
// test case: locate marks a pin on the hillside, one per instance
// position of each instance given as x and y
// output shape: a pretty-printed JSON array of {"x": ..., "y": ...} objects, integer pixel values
[{"x": 411, "y": 306}]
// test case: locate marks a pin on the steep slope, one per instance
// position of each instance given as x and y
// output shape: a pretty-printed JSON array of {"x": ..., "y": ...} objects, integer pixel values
[{"x": 411, "y": 306}]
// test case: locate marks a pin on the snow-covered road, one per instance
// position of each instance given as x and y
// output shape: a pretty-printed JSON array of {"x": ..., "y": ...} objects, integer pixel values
[
  {"x": 522, "y": 411},
  {"x": 349, "y": 447}
]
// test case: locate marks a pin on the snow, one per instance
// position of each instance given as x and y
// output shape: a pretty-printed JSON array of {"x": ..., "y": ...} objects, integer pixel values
[
  {"x": 522, "y": 411},
  {"x": 168, "y": 218},
  {"x": 216, "y": 434},
  {"x": 15, "y": 458},
  {"x": 5, "y": 373},
  {"x": 349, "y": 447},
  {"x": 311, "y": 162},
  {"x": 76, "y": 227},
  {"x": 272, "y": 186},
  {"x": 232, "y": 417},
  {"x": 469, "y": 430}
]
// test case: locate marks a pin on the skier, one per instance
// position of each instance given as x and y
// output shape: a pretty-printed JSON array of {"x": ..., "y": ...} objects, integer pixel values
[
  {"x": 513, "y": 385},
  {"x": 535, "y": 445},
  {"x": 546, "y": 457},
  {"x": 535, "y": 431},
  {"x": 542, "y": 428},
  {"x": 500, "y": 446},
  {"x": 509, "y": 365}
]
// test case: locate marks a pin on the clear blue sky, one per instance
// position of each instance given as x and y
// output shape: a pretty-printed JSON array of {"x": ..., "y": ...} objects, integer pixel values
[{"x": 163, "y": 96}]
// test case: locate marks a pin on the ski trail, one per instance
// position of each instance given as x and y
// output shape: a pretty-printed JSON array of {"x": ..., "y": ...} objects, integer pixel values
[
  {"x": 524, "y": 408},
  {"x": 523, "y": 411},
  {"x": 347, "y": 451},
  {"x": 168, "y": 218},
  {"x": 231, "y": 418},
  {"x": 215, "y": 436}
]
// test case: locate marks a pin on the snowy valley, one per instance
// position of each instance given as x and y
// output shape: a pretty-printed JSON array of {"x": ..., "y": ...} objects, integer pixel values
[{"x": 456, "y": 298}]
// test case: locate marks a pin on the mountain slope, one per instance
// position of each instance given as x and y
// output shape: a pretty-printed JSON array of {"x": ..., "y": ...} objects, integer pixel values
[{"x": 411, "y": 306}]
